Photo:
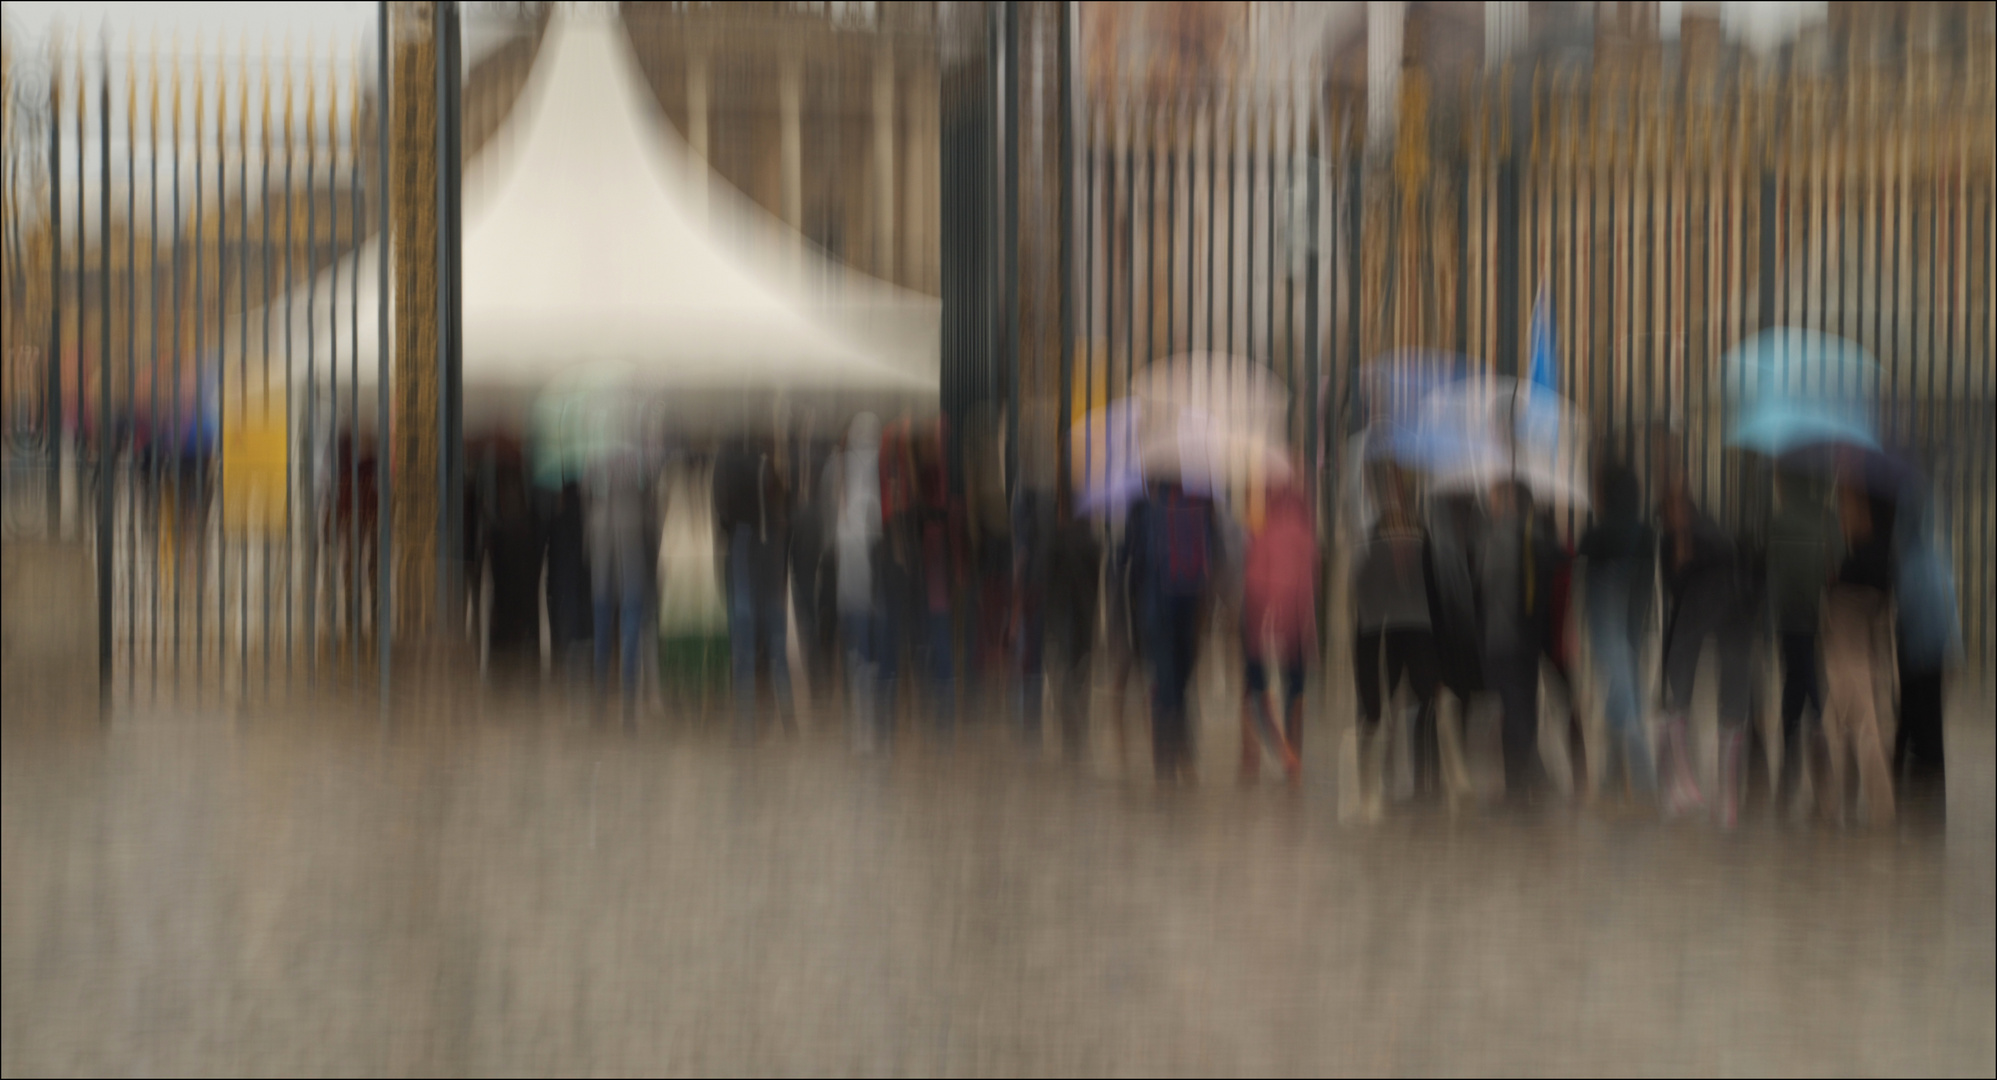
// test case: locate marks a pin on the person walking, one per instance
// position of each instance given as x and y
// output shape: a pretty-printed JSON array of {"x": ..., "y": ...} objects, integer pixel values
[
  {"x": 811, "y": 563},
  {"x": 1707, "y": 601},
  {"x": 936, "y": 560},
  {"x": 751, "y": 510},
  {"x": 1805, "y": 545},
  {"x": 858, "y": 539},
  {"x": 568, "y": 592},
  {"x": 1074, "y": 583},
  {"x": 622, "y": 559},
  {"x": 1180, "y": 542},
  {"x": 1278, "y": 628},
  {"x": 1516, "y": 570},
  {"x": 1619, "y": 571},
  {"x": 1393, "y": 636}
]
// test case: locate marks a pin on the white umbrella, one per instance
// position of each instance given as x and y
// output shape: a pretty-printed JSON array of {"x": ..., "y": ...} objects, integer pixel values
[
  {"x": 1236, "y": 393},
  {"x": 1535, "y": 437},
  {"x": 1205, "y": 456}
]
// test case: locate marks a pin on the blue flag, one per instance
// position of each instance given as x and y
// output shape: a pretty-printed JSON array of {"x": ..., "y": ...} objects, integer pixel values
[
  {"x": 1540, "y": 417},
  {"x": 1541, "y": 372}
]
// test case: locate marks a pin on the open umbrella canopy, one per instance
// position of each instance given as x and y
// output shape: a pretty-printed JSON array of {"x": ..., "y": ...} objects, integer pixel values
[
  {"x": 1497, "y": 429},
  {"x": 1795, "y": 388},
  {"x": 1106, "y": 457},
  {"x": 1776, "y": 427},
  {"x": 1231, "y": 391},
  {"x": 1209, "y": 457}
]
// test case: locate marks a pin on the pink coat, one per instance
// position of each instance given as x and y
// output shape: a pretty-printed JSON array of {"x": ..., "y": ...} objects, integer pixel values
[{"x": 1279, "y": 587}]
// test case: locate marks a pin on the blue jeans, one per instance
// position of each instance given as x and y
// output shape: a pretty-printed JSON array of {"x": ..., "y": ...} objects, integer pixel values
[
  {"x": 869, "y": 678},
  {"x": 1615, "y": 654},
  {"x": 939, "y": 643},
  {"x": 610, "y": 605},
  {"x": 755, "y": 620}
]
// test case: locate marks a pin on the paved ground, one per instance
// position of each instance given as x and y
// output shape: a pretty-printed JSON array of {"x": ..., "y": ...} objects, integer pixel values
[{"x": 492, "y": 886}]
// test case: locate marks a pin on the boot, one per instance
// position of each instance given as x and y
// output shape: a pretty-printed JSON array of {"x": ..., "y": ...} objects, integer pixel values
[
  {"x": 1251, "y": 750},
  {"x": 1682, "y": 794},
  {"x": 1372, "y": 767},
  {"x": 1427, "y": 761},
  {"x": 1293, "y": 759},
  {"x": 1789, "y": 777},
  {"x": 1733, "y": 745},
  {"x": 1827, "y": 781}
]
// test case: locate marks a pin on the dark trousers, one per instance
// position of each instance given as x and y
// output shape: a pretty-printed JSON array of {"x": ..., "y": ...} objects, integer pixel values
[
  {"x": 1514, "y": 677},
  {"x": 1410, "y": 654},
  {"x": 1917, "y": 748},
  {"x": 1070, "y": 645},
  {"x": 1800, "y": 691},
  {"x": 1173, "y": 634}
]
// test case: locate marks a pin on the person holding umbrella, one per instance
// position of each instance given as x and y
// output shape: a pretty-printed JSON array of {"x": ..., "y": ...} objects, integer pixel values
[
  {"x": 1393, "y": 591},
  {"x": 1618, "y": 554},
  {"x": 1805, "y": 544},
  {"x": 1706, "y": 600},
  {"x": 1278, "y": 626}
]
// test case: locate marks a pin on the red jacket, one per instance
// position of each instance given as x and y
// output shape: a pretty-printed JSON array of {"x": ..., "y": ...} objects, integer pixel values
[{"x": 1279, "y": 587}]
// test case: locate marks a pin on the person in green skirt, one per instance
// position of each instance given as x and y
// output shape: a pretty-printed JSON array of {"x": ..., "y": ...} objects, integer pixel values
[{"x": 693, "y": 615}]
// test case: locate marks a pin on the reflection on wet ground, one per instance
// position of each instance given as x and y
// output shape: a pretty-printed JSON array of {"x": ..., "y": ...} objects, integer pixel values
[{"x": 492, "y": 885}]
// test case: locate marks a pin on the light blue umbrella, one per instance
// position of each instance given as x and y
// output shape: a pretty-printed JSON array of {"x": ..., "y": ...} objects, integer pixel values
[
  {"x": 1778, "y": 426},
  {"x": 1794, "y": 388}
]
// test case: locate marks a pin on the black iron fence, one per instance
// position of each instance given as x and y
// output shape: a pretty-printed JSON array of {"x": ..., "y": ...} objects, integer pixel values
[{"x": 185, "y": 240}]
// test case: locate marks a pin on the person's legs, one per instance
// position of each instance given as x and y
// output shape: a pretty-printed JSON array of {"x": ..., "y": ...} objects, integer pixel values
[
  {"x": 604, "y": 607},
  {"x": 939, "y": 642},
  {"x": 1918, "y": 759},
  {"x": 1737, "y": 653},
  {"x": 1178, "y": 650},
  {"x": 1516, "y": 679},
  {"x": 857, "y": 631},
  {"x": 1293, "y": 714},
  {"x": 1031, "y": 668},
  {"x": 1254, "y": 710},
  {"x": 1410, "y": 655},
  {"x": 1799, "y": 691},
  {"x": 1681, "y": 672},
  {"x": 1366, "y": 648},
  {"x": 774, "y": 625},
  {"x": 1851, "y": 624},
  {"x": 1072, "y": 695},
  {"x": 1615, "y": 661},
  {"x": 742, "y": 630},
  {"x": 1366, "y": 645},
  {"x": 631, "y": 638}
]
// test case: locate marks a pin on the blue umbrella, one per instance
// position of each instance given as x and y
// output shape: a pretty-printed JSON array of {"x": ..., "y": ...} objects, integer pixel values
[
  {"x": 1429, "y": 446},
  {"x": 1777, "y": 427},
  {"x": 1797, "y": 388}
]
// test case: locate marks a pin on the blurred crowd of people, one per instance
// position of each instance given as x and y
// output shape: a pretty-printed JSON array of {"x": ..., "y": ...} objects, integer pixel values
[{"x": 860, "y": 560}]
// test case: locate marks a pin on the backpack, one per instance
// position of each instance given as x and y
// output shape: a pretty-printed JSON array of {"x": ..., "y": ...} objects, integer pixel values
[{"x": 1182, "y": 544}]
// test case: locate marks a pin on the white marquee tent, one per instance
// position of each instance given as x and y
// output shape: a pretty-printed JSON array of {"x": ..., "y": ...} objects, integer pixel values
[{"x": 586, "y": 248}]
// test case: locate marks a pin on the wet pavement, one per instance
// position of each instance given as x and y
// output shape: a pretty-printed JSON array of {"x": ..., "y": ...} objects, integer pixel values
[{"x": 491, "y": 884}]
